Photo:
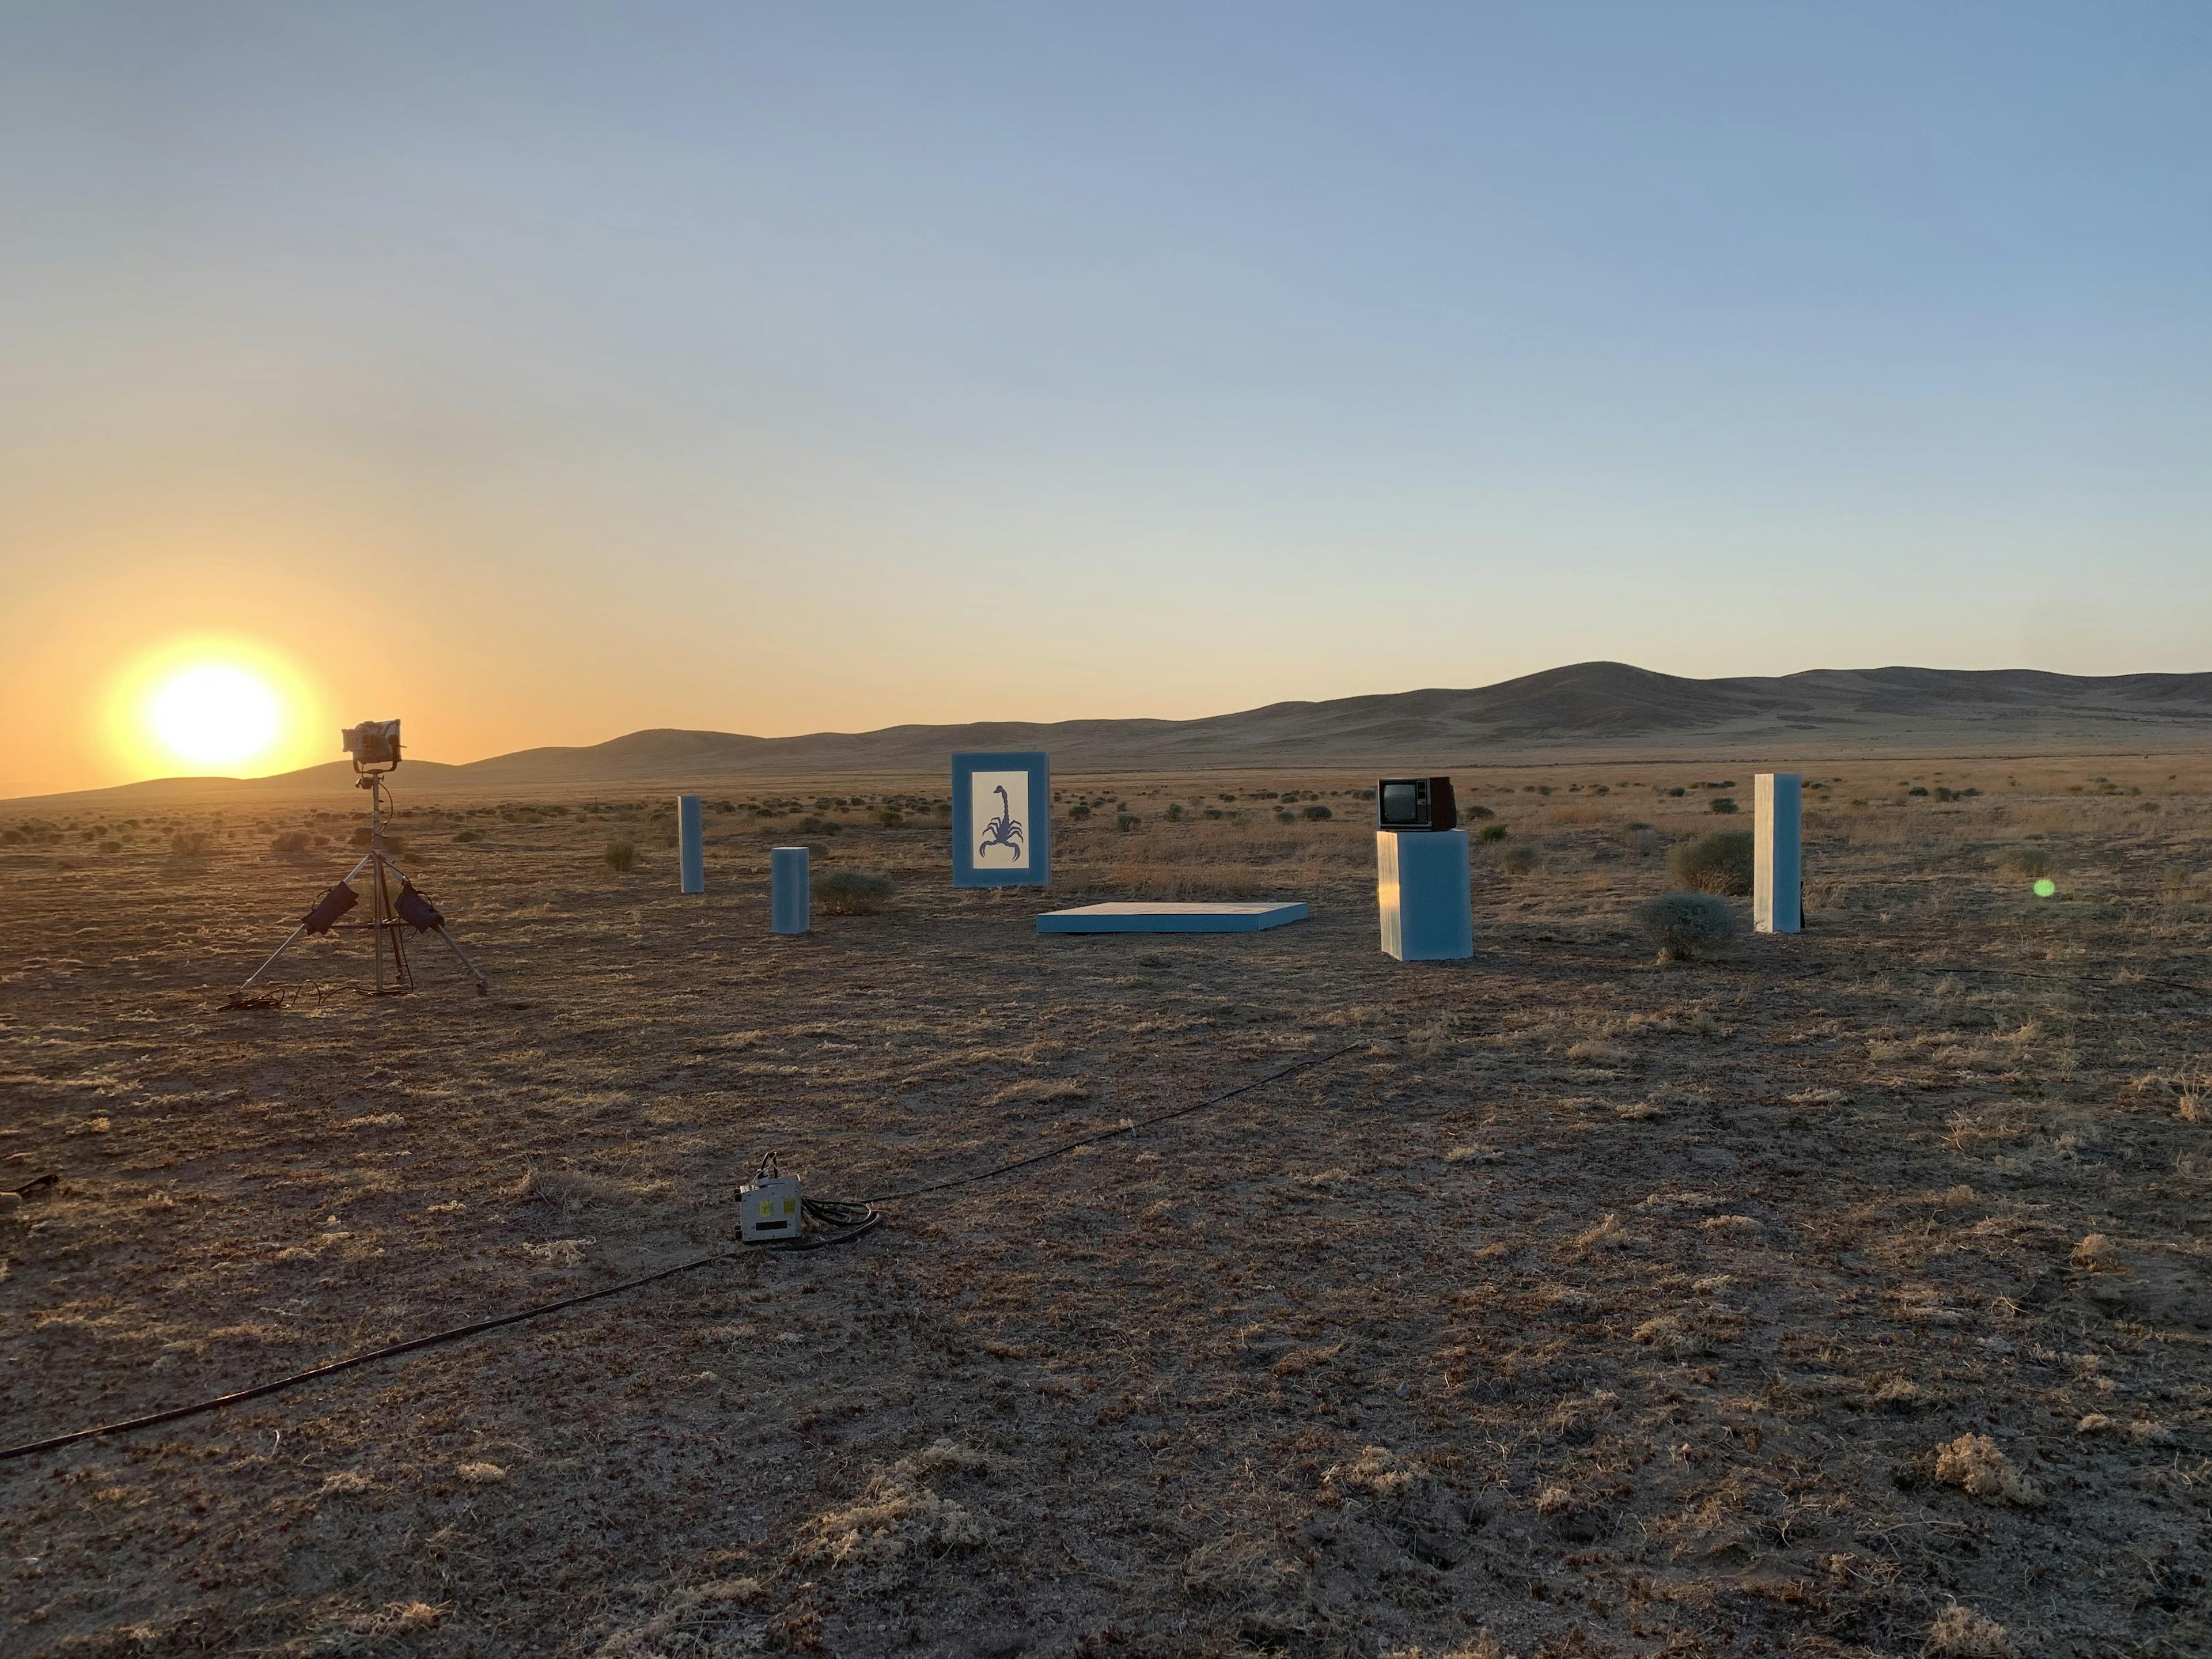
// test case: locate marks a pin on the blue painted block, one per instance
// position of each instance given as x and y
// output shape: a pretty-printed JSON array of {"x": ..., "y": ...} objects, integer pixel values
[
  {"x": 1001, "y": 818},
  {"x": 1426, "y": 895},
  {"x": 691, "y": 842},
  {"x": 1125, "y": 918},
  {"x": 1778, "y": 866},
  {"x": 790, "y": 903}
]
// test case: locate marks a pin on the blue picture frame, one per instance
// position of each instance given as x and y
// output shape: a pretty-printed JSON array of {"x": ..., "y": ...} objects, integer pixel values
[{"x": 1001, "y": 818}]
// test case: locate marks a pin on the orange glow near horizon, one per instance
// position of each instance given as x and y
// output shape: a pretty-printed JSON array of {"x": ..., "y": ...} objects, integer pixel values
[{"x": 218, "y": 706}]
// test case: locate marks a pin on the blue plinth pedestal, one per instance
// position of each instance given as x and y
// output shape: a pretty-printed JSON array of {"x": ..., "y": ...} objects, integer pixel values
[
  {"x": 691, "y": 841},
  {"x": 1426, "y": 894},
  {"x": 790, "y": 903}
]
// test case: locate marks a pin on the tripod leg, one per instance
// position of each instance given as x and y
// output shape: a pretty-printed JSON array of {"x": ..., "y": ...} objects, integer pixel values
[
  {"x": 271, "y": 962},
  {"x": 293, "y": 937},
  {"x": 484, "y": 985}
]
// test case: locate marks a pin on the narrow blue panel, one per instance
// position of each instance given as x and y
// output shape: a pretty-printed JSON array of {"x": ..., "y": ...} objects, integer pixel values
[
  {"x": 1124, "y": 918},
  {"x": 790, "y": 905},
  {"x": 1777, "y": 853},
  {"x": 1426, "y": 894},
  {"x": 1001, "y": 818},
  {"x": 691, "y": 841}
]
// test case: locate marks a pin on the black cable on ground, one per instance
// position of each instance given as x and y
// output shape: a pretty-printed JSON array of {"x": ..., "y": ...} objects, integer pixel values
[
  {"x": 846, "y": 1220},
  {"x": 1118, "y": 1129},
  {"x": 392, "y": 1351}
]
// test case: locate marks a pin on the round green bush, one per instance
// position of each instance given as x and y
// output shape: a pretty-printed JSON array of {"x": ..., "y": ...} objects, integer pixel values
[
  {"x": 1316, "y": 812},
  {"x": 621, "y": 856},
  {"x": 1494, "y": 832},
  {"x": 1684, "y": 924},
  {"x": 1721, "y": 804},
  {"x": 1717, "y": 863}
]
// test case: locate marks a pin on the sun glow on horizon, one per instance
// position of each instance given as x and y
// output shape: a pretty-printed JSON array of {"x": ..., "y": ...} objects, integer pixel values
[
  {"x": 215, "y": 715},
  {"x": 226, "y": 707}
]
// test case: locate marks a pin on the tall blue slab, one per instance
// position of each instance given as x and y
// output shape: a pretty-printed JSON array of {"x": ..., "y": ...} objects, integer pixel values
[
  {"x": 691, "y": 843},
  {"x": 1777, "y": 853},
  {"x": 1001, "y": 818},
  {"x": 790, "y": 903},
  {"x": 1426, "y": 893}
]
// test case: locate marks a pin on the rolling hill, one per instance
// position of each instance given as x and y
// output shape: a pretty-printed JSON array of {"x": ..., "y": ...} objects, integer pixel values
[{"x": 1587, "y": 709}]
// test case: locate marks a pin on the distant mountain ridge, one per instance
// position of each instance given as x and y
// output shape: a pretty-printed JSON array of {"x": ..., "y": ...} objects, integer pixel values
[{"x": 1586, "y": 707}]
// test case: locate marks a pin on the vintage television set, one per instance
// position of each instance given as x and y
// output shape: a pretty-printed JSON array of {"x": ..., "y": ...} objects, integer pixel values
[{"x": 1414, "y": 804}]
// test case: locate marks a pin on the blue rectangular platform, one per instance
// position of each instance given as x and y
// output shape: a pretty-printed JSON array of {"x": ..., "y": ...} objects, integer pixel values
[{"x": 1125, "y": 918}]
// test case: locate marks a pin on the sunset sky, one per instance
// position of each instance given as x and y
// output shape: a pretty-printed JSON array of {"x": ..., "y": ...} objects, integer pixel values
[{"x": 537, "y": 374}]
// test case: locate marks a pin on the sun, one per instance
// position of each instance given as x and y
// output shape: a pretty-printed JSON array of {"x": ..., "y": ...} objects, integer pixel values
[
  {"x": 213, "y": 705},
  {"x": 215, "y": 715}
]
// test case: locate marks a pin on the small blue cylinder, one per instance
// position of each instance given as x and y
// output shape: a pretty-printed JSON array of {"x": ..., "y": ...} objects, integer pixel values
[
  {"x": 691, "y": 840},
  {"x": 789, "y": 906}
]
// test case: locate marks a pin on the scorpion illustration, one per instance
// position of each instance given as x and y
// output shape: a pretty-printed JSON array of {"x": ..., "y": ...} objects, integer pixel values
[{"x": 1003, "y": 830}]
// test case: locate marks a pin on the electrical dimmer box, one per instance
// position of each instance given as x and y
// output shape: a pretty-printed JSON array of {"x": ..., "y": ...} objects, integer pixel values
[{"x": 768, "y": 1210}]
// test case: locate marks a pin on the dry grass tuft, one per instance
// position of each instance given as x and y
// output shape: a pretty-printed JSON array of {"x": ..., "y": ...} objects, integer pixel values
[
  {"x": 1976, "y": 1467},
  {"x": 481, "y": 1474},
  {"x": 1958, "y": 1633},
  {"x": 899, "y": 1515},
  {"x": 1608, "y": 1235},
  {"x": 378, "y": 1120},
  {"x": 1043, "y": 1092},
  {"x": 853, "y": 893},
  {"x": 1236, "y": 1570},
  {"x": 560, "y": 1252},
  {"x": 1684, "y": 925},
  {"x": 1377, "y": 1471},
  {"x": 2096, "y": 1254}
]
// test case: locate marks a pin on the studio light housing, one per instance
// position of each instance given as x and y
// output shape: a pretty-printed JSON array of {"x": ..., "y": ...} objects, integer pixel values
[{"x": 372, "y": 742}]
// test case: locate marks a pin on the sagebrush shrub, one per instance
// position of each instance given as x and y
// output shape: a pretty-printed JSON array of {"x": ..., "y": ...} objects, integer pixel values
[
  {"x": 1518, "y": 860},
  {"x": 621, "y": 856},
  {"x": 1316, "y": 812},
  {"x": 1125, "y": 822},
  {"x": 1721, "y": 804},
  {"x": 1717, "y": 863},
  {"x": 291, "y": 841},
  {"x": 1684, "y": 924},
  {"x": 852, "y": 893},
  {"x": 2031, "y": 861},
  {"x": 1493, "y": 832},
  {"x": 190, "y": 844}
]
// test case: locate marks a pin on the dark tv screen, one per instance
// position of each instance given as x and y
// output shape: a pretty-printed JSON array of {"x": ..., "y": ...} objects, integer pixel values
[{"x": 1401, "y": 803}]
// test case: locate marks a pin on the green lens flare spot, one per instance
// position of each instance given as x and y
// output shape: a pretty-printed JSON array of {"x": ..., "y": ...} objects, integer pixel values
[{"x": 2044, "y": 887}]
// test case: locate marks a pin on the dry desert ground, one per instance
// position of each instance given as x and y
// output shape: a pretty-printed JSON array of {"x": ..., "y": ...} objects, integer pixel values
[{"x": 1844, "y": 1294}]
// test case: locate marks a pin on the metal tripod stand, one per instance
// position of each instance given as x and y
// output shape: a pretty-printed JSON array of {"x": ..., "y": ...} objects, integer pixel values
[{"x": 390, "y": 911}]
